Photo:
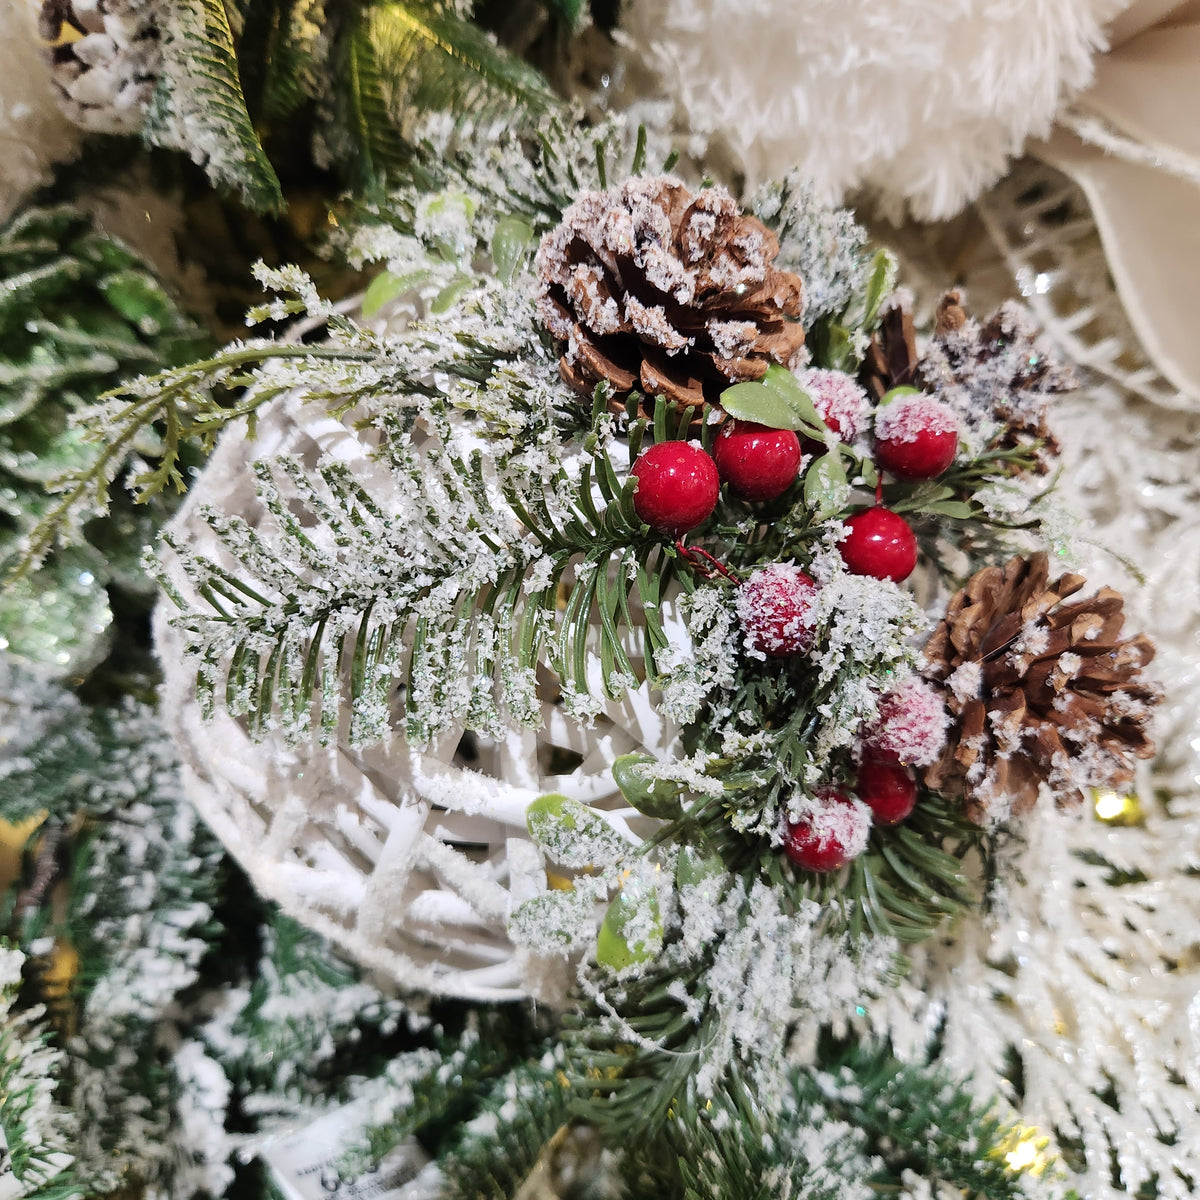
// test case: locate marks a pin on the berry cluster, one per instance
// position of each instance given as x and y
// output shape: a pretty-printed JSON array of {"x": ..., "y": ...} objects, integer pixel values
[
  {"x": 832, "y": 829},
  {"x": 914, "y": 438}
]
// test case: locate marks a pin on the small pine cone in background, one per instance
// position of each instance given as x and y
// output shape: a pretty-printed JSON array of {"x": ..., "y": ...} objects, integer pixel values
[
  {"x": 104, "y": 60},
  {"x": 891, "y": 359},
  {"x": 652, "y": 288},
  {"x": 1000, "y": 373},
  {"x": 998, "y": 377},
  {"x": 1040, "y": 691}
]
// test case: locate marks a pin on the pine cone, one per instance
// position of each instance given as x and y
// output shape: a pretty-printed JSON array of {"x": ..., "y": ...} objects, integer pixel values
[
  {"x": 891, "y": 358},
  {"x": 1040, "y": 691},
  {"x": 104, "y": 60},
  {"x": 650, "y": 287},
  {"x": 999, "y": 373}
]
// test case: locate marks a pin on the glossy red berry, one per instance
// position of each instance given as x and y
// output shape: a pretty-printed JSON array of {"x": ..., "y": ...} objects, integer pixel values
[
  {"x": 888, "y": 790},
  {"x": 833, "y": 830},
  {"x": 759, "y": 463},
  {"x": 879, "y": 543},
  {"x": 677, "y": 487},
  {"x": 915, "y": 437},
  {"x": 775, "y": 607}
]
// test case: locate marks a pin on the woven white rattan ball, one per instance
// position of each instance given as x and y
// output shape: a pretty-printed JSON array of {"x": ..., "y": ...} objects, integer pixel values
[{"x": 408, "y": 860}]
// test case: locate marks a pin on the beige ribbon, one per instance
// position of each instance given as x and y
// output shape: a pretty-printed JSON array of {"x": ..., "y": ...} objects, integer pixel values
[{"x": 1132, "y": 142}]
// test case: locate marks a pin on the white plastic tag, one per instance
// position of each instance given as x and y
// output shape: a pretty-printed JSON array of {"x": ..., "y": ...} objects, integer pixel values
[{"x": 308, "y": 1165}]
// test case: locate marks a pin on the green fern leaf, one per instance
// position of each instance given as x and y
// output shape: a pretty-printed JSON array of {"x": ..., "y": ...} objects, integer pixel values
[
  {"x": 199, "y": 106},
  {"x": 406, "y": 60}
]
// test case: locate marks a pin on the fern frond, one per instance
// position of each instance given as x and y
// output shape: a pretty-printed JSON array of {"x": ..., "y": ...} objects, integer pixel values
[
  {"x": 436, "y": 60},
  {"x": 199, "y": 107},
  {"x": 404, "y": 60}
]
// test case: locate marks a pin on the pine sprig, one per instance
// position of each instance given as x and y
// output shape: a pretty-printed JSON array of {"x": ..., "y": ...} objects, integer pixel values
[
  {"x": 445, "y": 593},
  {"x": 518, "y": 1119},
  {"x": 918, "y": 1118},
  {"x": 37, "y": 1131}
]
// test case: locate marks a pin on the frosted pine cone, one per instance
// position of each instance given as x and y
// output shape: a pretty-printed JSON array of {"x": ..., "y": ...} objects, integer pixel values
[
  {"x": 653, "y": 288},
  {"x": 1040, "y": 691},
  {"x": 998, "y": 373},
  {"x": 999, "y": 377},
  {"x": 104, "y": 60}
]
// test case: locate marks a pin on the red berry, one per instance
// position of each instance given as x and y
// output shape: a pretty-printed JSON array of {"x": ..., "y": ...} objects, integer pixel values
[
  {"x": 775, "y": 607},
  {"x": 838, "y": 398},
  {"x": 890, "y": 792},
  {"x": 915, "y": 437},
  {"x": 879, "y": 543},
  {"x": 677, "y": 487},
  {"x": 759, "y": 463},
  {"x": 910, "y": 727},
  {"x": 832, "y": 830}
]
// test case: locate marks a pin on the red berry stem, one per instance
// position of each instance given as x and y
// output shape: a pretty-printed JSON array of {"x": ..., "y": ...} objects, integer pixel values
[
  {"x": 689, "y": 556},
  {"x": 879, "y": 490}
]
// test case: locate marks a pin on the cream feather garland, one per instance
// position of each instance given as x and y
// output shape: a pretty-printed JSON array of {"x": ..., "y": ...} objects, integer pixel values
[{"x": 925, "y": 101}]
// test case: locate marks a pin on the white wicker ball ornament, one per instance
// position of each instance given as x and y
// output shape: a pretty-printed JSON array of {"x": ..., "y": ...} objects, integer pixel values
[{"x": 409, "y": 860}]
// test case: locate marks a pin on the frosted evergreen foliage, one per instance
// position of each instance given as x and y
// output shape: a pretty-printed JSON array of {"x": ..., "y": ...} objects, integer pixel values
[
  {"x": 442, "y": 540},
  {"x": 39, "y": 1133},
  {"x": 139, "y": 918},
  {"x": 825, "y": 246},
  {"x": 1083, "y": 953}
]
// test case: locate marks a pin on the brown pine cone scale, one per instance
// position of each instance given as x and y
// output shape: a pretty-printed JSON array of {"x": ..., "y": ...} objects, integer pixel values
[
  {"x": 1042, "y": 691},
  {"x": 651, "y": 288}
]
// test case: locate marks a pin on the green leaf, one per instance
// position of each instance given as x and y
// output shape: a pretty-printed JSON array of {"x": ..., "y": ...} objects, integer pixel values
[
  {"x": 897, "y": 393},
  {"x": 557, "y": 920},
  {"x": 632, "y": 929},
  {"x": 956, "y": 509},
  {"x": 385, "y": 287},
  {"x": 773, "y": 407},
  {"x": 695, "y": 868},
  {"x": 825, "y": 485},
  {"x": 509, "y": 243},
  {"x": 883, "y": 276},
  {"x": 654, "y": 797},
  {"x": 781, "y": 381},
  {"x": 573, "y": 835},
  {"x": 449, "y": 296}
]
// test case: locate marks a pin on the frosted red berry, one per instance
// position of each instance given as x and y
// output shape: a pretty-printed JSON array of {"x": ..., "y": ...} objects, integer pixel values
[
  {"x": 775, "y": 607},
  {"x": 910, "y": 727},
  {"x": 759, "y": 463},
  {"x": 879, "y": 543},
  {"x": 916, "y": 437},
  {"x": 888, "y": 790},
  {"x": 832, "y": 831},
  {"x": 837, "y": 397},
  {"x": 677, "y": 487}
]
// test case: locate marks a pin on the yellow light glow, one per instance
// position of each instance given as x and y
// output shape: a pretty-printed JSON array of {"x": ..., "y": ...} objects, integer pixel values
[
  {"x": 1027, "y": 1152},
  {"x": 1114, "y": 809},
  {"x": 1025, "y": 1155}
]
